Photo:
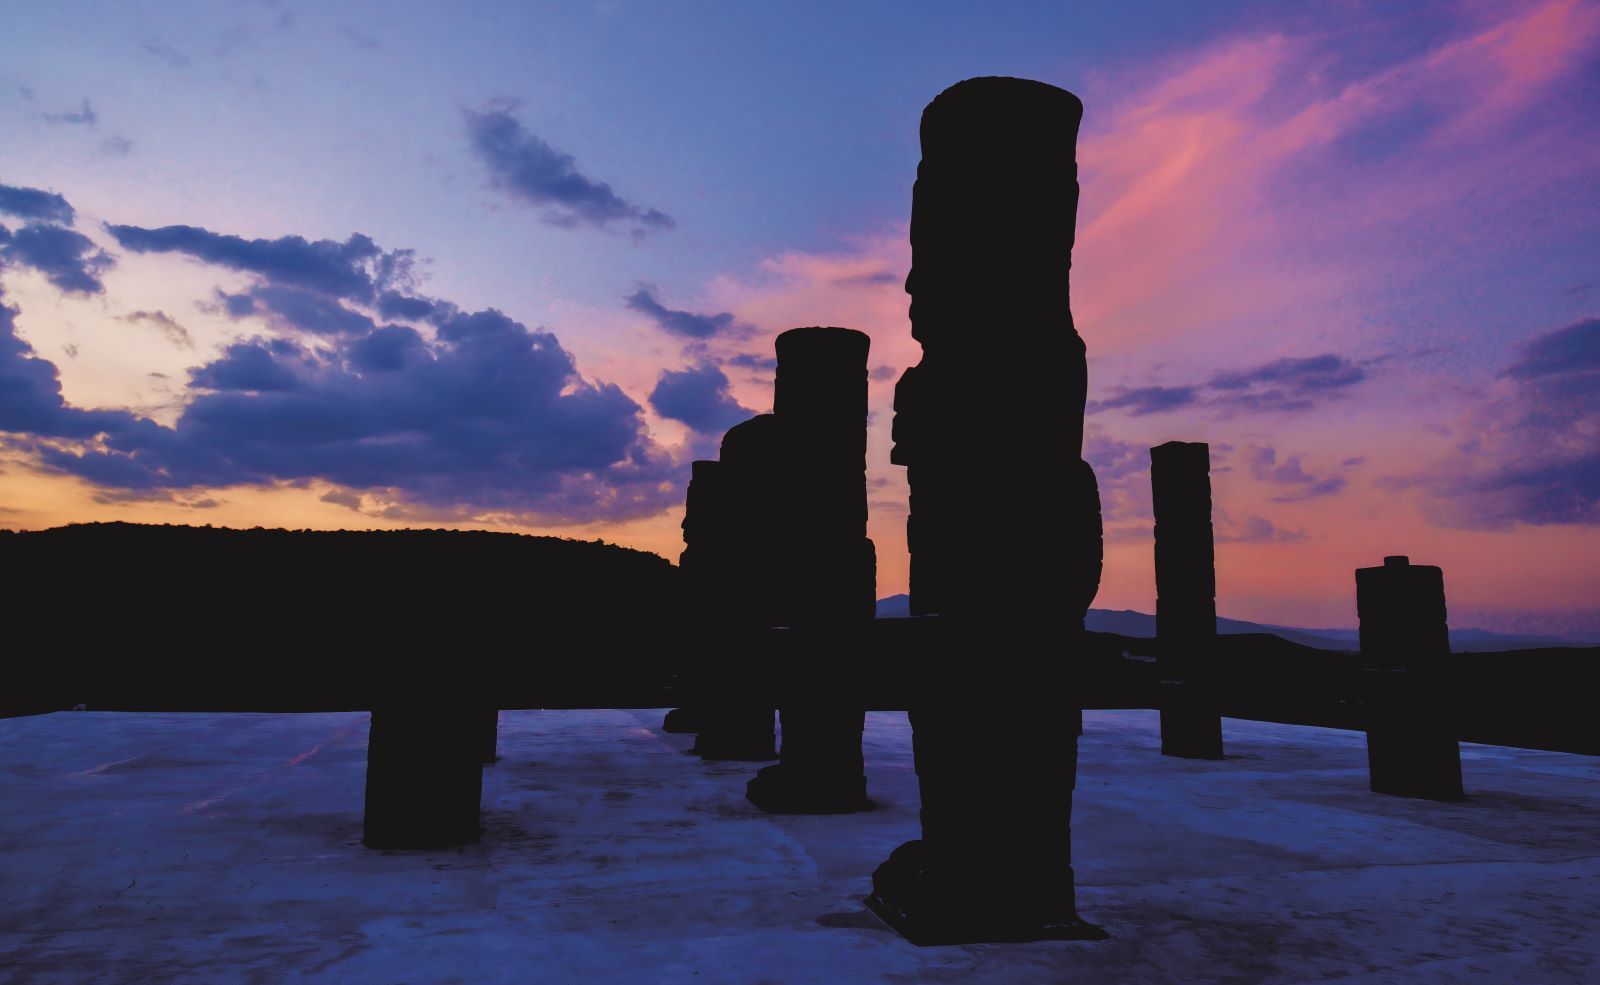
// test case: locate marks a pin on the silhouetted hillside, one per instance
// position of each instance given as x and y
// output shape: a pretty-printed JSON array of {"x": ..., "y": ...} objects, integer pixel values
[
  {"x": 1127, "y": 622},
  {"x": 124, "y": 614}
]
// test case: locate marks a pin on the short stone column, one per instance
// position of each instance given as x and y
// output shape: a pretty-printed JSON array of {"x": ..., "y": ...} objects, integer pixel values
[
  {"x": 1186, "y": 604},
  {"x": 1412, "y": 748},
  {"x": 424, "y": 775}
]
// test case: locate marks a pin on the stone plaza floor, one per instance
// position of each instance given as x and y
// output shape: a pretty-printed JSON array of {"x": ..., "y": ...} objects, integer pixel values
[{"x": 226, "y": 848}]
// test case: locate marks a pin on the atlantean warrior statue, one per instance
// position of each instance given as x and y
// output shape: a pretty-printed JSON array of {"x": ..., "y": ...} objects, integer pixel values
[{"x": 1005, "y": 519}]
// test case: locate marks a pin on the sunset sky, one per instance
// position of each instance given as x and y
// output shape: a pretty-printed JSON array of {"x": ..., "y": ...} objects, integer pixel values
[{"x": 512, "y": 266}]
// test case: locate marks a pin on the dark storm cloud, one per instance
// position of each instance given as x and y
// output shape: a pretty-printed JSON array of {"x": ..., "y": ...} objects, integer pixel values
[
  {"x": 355, "y": 269},
  {"x": 35, "y": 204},
  {"x": 698, "y": 397},
  {"x": 526, "y": 168},
  {"x": 1283, "y": 385},
  {"x": 688, "y": 324},
  {"x": 67, "y": 258}
]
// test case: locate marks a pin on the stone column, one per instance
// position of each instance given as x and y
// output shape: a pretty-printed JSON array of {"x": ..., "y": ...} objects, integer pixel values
[
  {"x": 1005, "y": 525},
  {"x": 1186, "y": 599},
  {"x": 823, "y": 572},
  {"x": 703, "y": 566},
  {"x": 424, "y": 775},
  {"x": 737, "y": 720},
  {"x": 1412, "y": 749}
]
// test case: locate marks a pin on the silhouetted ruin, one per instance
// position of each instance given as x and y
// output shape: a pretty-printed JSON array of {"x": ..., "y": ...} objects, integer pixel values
[
  {"x": 772, "y": 605},
  {"x": 1002, "y": 381},
  {"x": 1405, "y": 643},
  {"x": 1186, "y": 599},
  {"x": 704, "y": 563},
  {"x": 775, "y": 537},
  {"x": 736, "y": 716},
  {"x": 824, "y": 570}
]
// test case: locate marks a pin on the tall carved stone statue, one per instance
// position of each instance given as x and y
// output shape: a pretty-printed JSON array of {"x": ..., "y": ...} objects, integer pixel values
[
  {"x": 824, "y": 574},
  {"x": 1005, "y": 519},
  {"x": 736, "y": 717}
]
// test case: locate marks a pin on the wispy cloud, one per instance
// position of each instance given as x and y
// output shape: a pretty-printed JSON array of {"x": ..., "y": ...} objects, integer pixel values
[
  {"x": 687, "y": 324},
  {"x": 527, "y": 169},
  {"x": 1279, "y": 386},
  {"x": 84, "y": 116}
]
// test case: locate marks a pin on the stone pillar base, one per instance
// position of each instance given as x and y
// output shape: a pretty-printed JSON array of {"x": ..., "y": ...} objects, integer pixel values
[
  {"x": 424, "y": 777},
  {"x": 821, "y": 770},
  {"x": 1188, "y": 729},
  {"x": 737, "y": 734},
  {"x": 1411, "y": 750},
  {"x": 785, "y": 789},
  {"x": 683, "y": 721},
  {"x": 929, "y": 904}
]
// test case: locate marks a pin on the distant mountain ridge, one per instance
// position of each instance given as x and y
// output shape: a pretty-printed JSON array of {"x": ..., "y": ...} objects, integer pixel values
[{"x": 1127, "y": 622}]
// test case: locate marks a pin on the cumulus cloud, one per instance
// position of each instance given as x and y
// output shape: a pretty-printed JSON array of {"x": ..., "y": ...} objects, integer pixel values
[
  {"x": 66, "y": 257},
  {"x": 355, "y": 269},
  {"x": 30, "y": 392},
  {"x": 1283, "y": 385},
  {"x": 34, "y": 204},
  {"x": 527, "y": 169},
  {"x": 698, "y": 397},
  {"x": 472, "y": 414},
  {"x": 688, "y": 324},
  {"x": 292, "y": 308}
]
